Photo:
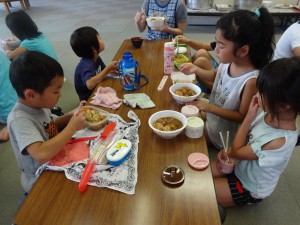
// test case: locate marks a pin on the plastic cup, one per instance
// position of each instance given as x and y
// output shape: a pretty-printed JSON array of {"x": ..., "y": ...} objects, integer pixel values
[
  {"x": 194, "y": 128},
  {"x": 225, "y": 165}
]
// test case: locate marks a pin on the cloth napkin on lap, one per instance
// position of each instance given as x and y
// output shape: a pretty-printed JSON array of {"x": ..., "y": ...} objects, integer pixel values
[{"x": 106, "y": 97}]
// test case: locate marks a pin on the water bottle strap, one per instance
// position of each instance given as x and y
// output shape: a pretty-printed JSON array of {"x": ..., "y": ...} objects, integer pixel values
[{"x": 145, "y": 78}]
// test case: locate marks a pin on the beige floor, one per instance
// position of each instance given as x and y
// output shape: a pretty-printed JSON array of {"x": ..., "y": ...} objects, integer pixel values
[{"x": 114, "y": 21}]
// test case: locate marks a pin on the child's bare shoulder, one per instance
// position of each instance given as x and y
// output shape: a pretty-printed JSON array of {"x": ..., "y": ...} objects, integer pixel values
[{"x": 274, "y": 144}]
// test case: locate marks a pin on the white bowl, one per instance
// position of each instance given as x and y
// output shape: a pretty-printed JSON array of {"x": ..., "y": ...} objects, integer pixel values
[
  {"x": 11, "y": 42},
  {"x": 155, "y": 22},
  {"x": 183, "y": 99},
  {"x": 167, "y": 113}
]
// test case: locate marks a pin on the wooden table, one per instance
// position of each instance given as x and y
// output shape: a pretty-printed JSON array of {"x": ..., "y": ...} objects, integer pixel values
[{"x": 56, "y": 200}]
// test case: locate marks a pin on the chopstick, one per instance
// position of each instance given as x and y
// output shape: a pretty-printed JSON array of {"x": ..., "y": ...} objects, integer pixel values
[
  {"x": 81, "y": 139},
  {"x": 144, "y": 12},
  {"x": 227, "y": 141},
  {"x": 222, "y": 140}
]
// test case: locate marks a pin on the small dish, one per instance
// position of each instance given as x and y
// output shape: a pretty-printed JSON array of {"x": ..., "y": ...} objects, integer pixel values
[
  {"x": 172, "y": 175},
  {"x": 137, "y": 42},
  {"x": 284, "y": 6},
  {"x": 198, "y": 160}
]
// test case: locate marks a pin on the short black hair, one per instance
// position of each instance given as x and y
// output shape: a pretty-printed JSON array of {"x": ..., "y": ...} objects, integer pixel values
[
  {"x": 33, "y": 70},
  {"x": 83, "y": 41},
  {"x": 21, "y": 25},
  {"x": 279, "y": 83}
]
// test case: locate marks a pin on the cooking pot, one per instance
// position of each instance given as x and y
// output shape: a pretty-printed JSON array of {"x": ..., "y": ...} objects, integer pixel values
[
  {"x": 247, "y": 4},
  {"x": 200, "y": 4}
]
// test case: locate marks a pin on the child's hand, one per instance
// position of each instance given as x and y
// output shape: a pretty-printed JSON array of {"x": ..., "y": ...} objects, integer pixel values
[
  {"x": 140, "y": 17},
  {"x": 200, "y": 104},
  {"x": 113, "y": 65},
  {"x": 188, "y": 68},
  {"x": 164, "y": 28},
  {"x": 224, "y": 155},
  {"x": 5, "y": 47},
  {"x": 77, "y": 122},
  {"x": 181, "y": 39},
  {"x": 253, "y": 108},
  {"x": 76, "y": 111}
]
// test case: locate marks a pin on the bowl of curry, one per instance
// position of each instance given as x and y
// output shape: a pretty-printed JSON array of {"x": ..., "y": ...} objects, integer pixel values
[{"x": 167, "y": 123}]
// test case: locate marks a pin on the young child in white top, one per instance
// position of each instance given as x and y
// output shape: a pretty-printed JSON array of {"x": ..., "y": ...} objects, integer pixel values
[
  {"x": 245, "y": 41},
  {"x": 264, "y": 142}
]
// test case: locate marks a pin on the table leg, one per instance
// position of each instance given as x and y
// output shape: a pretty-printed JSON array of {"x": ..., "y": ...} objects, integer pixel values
[
  {"x": 6, "y": 7},
  {"x": 23, "y": 5},
  {"x": 27, "y": 3}
]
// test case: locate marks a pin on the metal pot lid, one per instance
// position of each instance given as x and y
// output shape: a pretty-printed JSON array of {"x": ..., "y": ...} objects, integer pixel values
[{"x": 172, "y": 175}]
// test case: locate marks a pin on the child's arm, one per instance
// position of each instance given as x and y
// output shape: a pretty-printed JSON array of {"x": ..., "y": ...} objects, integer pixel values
[
  {"x": 179, "y": 30},
  {"x": 239, "y": 148},
  {"x": 202, "y": 74},
  {"x": 44, "y": 151},
  {"x": 95, "y": 80},
  {"x": 62, "y": 121},
  {"x": 194, "y": 44},
  {"x": 140, "y": 21},
  {"x": 236, "y": 116},
  {"x": 18, "y": 51},
  {"x": 296, "y": 51}
]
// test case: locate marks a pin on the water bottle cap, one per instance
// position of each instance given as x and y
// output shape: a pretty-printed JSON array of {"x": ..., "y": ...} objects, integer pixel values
[{"x": 127, "y": 55}]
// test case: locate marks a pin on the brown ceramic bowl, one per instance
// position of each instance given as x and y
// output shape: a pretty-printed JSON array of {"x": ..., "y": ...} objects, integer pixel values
[{"x": 137, "y": 42}]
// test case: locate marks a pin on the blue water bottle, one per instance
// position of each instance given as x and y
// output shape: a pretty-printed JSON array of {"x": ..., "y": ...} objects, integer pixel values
[{"x": 129, "y": 75}]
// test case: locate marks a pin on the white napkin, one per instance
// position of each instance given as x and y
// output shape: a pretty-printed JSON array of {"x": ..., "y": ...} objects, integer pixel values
[{"x": 140, "y": 99}]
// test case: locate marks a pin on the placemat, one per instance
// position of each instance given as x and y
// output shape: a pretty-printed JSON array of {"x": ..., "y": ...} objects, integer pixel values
[{"x": 122, "y": 178}]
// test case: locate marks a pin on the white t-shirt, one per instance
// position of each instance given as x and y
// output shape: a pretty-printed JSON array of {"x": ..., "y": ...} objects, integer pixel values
[
  {"x": 289, "y": 40},
  {"x": 261, "y": 176}
]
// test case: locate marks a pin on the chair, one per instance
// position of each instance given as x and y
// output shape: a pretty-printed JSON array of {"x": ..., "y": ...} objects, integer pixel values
[{"x": 7, "y": 3}]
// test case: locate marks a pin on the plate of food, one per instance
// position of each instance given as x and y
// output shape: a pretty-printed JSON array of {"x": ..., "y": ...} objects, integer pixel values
[{"x": 284, "y": 6}]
